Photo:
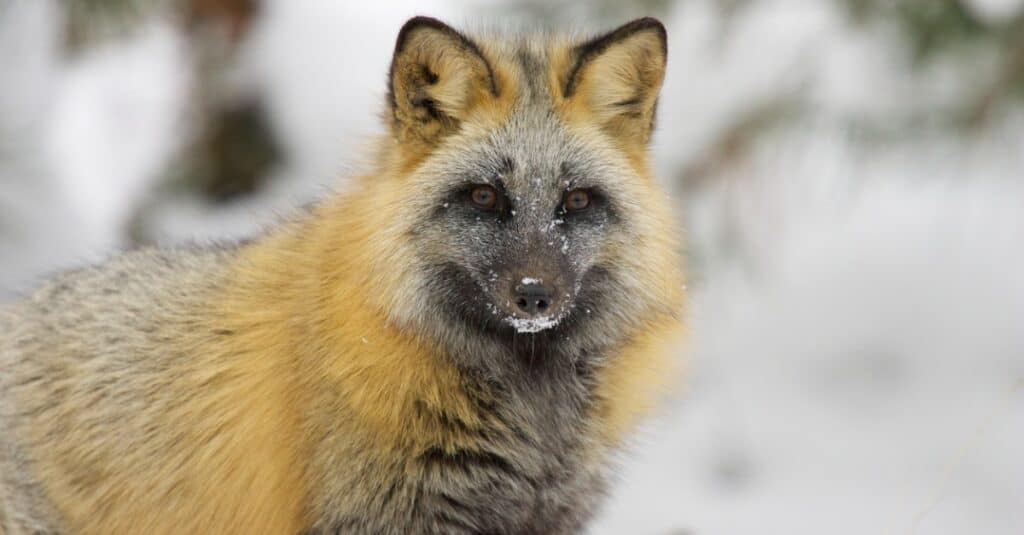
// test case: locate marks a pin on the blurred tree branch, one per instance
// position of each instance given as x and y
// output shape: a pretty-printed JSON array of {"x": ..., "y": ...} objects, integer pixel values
[{"x": 935, "y": 29}]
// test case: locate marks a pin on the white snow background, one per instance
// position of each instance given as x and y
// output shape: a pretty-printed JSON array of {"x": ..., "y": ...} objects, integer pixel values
[{"x": 857, "y": 314}]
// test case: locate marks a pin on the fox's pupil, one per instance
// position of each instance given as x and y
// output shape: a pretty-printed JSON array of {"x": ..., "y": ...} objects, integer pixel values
[
  {"x": 484, "y": 197},
  {"x": 577, "y": 200}
]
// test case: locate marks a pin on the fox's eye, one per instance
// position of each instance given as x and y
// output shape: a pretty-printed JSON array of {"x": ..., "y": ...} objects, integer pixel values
[
  {"x": 484, "y": 197},
  {"x": 576, "y": 200}
]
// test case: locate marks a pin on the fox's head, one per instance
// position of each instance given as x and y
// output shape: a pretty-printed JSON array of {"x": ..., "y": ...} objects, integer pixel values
[{"x": 519, "y": 205}]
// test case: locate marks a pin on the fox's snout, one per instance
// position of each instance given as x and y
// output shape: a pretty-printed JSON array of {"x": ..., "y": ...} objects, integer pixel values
[
  {"x": 533, "y": 298},
  {"x": 537, "y": 289}
]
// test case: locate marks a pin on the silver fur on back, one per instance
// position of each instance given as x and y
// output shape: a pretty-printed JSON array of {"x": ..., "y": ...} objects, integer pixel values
[{"x": 109, "y": 317}]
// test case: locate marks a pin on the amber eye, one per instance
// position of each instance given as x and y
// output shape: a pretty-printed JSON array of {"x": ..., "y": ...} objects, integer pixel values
[
  {"x": 576, "y": 200},
  {"x": 484, "y": 197}
]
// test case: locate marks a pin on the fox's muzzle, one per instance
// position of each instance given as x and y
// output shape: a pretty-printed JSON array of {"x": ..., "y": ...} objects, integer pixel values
[{"x": 532, "y": 297}]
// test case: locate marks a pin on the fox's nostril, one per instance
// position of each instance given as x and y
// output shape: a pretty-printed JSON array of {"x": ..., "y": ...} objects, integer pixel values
[{"x": 533, "y": 298}]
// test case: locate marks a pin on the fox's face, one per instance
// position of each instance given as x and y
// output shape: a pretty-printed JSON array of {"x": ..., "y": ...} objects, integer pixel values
[
  {"x": 525, "y": 187},
  {"x": 523, "y": 223}
]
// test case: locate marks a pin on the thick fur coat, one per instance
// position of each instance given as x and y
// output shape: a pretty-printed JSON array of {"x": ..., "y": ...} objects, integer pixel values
[{"x": 370, "y": 366}]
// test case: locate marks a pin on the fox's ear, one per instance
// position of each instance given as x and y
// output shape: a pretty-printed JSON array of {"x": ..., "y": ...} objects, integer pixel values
[
  {"x": 617, "y": 76},
  {"x": 437, "y": 76}
]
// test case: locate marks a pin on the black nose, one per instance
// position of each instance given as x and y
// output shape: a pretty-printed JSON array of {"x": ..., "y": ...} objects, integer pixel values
[{"x": 533, "y": 298}]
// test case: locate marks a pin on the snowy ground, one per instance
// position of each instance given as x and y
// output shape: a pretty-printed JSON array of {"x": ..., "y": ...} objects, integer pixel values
[{"x": 857, "y": 352}]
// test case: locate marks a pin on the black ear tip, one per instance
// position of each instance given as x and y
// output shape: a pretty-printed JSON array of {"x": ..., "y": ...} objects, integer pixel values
[
  {"x": 648, "y": 24},
  {"x": 422, "y": 20},
  {"x": 419, "y": 21}
]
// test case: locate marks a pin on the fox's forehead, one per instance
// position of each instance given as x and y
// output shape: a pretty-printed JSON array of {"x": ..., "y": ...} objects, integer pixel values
[
  {"x": 536, "y": 135},
  {"x": 532, "y": 154},
  {"x": 534, "y": 67},
  {"x": 525, "y": 142}
]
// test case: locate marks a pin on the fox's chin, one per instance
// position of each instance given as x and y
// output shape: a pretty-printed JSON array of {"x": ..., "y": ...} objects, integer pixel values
[
  {"x": 507, "y": 323},
  {"x": 508, "y": 328},
  {"x": 532, "y": 325}
]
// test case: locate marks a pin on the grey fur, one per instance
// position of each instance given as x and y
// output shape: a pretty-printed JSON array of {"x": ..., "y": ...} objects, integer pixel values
[{"x": 110, "y": 318}]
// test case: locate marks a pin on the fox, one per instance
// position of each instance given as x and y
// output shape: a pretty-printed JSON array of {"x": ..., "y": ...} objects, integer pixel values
[{"x": 462, "y": 339}]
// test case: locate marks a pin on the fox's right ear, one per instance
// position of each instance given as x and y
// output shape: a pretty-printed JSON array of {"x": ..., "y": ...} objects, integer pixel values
[
  {"x": 437, "y": 76},
  {"x": 617, "y": 77}
]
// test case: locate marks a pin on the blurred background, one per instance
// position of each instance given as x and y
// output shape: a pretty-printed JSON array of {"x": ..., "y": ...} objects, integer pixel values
[{"x": 849, "y": 174}]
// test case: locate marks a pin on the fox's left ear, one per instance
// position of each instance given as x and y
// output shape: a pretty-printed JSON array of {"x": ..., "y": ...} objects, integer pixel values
[
  {"x": 437, "y": 76},
  {"x": 617, "y": 77}
]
